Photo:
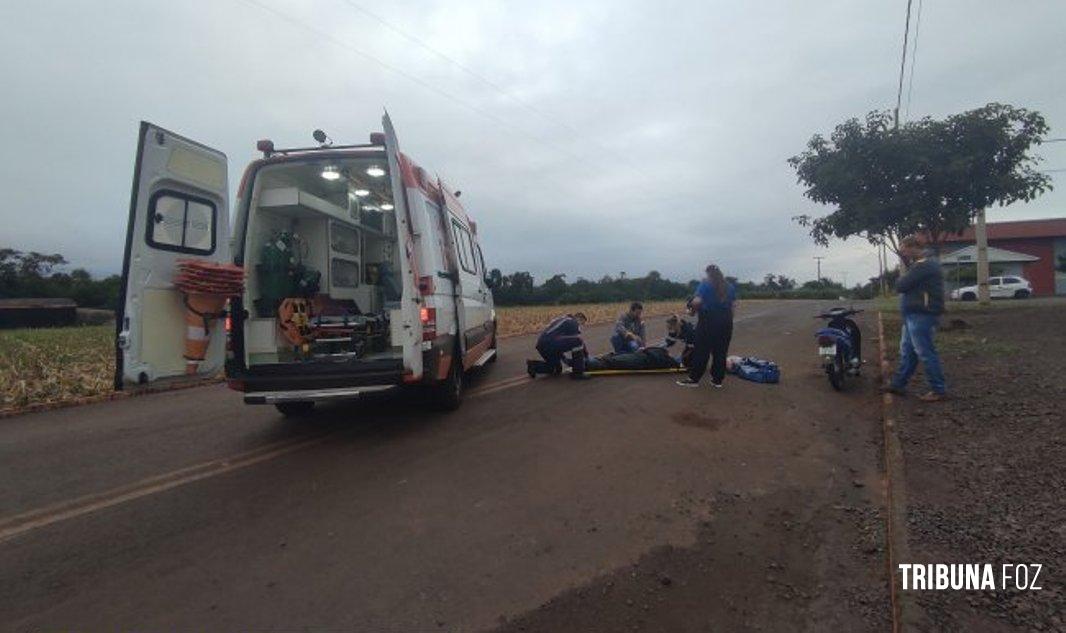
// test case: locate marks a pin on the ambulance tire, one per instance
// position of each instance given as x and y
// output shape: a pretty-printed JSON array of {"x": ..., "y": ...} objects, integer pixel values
[
  {"x": 448, "y": 394},
  {"x": 295, "y": 409},
  {"x": 495, "y": 344}
]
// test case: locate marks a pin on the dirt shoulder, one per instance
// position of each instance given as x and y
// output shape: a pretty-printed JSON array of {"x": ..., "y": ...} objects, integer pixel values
[{"x": 984, "y": 471}]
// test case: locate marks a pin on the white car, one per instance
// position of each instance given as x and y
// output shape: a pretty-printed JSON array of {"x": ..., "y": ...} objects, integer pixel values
[{"x": 998, "y": 288}]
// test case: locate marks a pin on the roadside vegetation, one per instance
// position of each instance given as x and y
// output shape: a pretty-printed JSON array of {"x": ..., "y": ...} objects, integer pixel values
[
  {"x": 56, "y": 364},
  {"x": 519, "y": 288},
  {"x": 32, "y": 274}
]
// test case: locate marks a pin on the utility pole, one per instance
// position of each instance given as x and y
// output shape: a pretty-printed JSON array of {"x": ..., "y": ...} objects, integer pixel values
[
  {"x": 981, "y": 236},
  {"x": 881, "y": 267},
  {"x": 819, "y": 258}
]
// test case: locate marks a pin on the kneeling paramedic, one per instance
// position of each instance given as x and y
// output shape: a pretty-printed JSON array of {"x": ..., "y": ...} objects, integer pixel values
[
  {"x": 562, "y": 335},
  {"x": 680, "y": 330}
]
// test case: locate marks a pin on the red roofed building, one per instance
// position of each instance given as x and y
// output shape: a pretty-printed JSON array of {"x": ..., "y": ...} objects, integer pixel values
[{"x": 1043, "y": 239}]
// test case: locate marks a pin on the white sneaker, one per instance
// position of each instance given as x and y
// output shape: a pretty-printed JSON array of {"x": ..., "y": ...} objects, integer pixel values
[
  {"x": 688, "y": 382},
  {"x": 716, "y": 385}
]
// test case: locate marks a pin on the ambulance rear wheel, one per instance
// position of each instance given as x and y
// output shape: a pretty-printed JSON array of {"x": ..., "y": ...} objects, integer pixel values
[
  {"x": 295, "y": 409},
  {"x": 494, "y": 345},
  {"x": 448, "y": 394}
]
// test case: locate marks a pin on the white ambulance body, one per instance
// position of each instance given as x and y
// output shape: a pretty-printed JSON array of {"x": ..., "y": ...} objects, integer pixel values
[{"x": 361, "y": 273}]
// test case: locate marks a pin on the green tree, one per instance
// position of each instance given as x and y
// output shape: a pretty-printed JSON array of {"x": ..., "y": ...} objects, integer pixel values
[{"x": 928, "y": 176}]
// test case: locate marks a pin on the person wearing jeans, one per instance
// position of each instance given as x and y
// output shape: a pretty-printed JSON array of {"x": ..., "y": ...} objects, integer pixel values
[
  {"x": 921, "y": 291},
  {"x": 916, "y": 344}
]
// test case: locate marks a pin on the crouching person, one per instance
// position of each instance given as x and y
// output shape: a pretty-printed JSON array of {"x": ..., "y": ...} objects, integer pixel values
[
  {"x": 679, "y": 330},
  {"x": 629, "y": 332},
  {"x": 561, "y": 337}
]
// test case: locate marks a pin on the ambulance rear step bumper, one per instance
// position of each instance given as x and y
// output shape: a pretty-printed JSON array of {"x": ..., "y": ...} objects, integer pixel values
[
  {"x": 312, "y": 395},
  {"x": 485, "y": 358}
]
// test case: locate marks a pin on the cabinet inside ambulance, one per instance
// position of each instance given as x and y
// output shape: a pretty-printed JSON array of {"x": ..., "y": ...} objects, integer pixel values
[{"x": 321, "y": 261}]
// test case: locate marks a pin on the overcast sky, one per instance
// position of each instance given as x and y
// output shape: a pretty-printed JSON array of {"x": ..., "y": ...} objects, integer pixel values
[{"x": 588, "y": 137}]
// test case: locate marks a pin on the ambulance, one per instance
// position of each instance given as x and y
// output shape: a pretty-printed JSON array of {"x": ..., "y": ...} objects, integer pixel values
[{"x": 361, "y": 273}]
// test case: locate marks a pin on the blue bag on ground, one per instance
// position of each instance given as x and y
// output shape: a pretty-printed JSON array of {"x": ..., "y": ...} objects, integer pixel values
[{"x": 755, "y": 369}]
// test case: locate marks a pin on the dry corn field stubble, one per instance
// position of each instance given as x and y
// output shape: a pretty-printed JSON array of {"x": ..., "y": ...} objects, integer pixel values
[
  {"x": 60, "y": 364},
  {"x": 532, "y": 319},
  {"x": 53, "y": 365}
]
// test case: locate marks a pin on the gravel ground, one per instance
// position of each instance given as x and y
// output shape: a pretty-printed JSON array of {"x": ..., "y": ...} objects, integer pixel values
[{"x": 984, "y": 470}]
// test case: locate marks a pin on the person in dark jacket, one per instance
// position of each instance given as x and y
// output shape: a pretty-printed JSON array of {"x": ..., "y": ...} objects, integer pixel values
[
  {"x": 562, "y": 335},
  {"x": 921, "y": 297},
  {"x": 629, "y": 333},
  {"x": 679, "y": 330},
  {"x": 714, "y": 302}
]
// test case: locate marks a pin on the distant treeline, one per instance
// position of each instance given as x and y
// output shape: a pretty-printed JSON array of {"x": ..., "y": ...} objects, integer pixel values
[
  {"x": 519, "y": 289},
  {"x": 32, "y": 275}
]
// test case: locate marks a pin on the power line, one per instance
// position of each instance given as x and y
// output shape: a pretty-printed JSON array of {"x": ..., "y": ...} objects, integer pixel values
[
  {"x": 903, "y": 60},
  {"x": 553, "y": 119},
  {"x": 412, "y": 78},
  {"x": 340, "y": 43},
  {"x": 914, "y": 57}
]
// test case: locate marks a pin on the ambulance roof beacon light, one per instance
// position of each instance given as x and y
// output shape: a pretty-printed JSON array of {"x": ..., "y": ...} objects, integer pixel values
[{"x": 266, "y": 146}]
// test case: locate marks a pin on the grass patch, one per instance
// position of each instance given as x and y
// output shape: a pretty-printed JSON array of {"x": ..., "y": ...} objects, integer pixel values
[
  {"x": 891, "y": 304},
  {"x": 964, "y": 343},
  {"x": 55, "y": 364},
  {"x": 949, "y": 342}
]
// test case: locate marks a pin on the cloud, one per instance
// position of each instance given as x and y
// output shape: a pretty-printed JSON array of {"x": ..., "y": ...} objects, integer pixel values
[{"x": 588, "y": 138}]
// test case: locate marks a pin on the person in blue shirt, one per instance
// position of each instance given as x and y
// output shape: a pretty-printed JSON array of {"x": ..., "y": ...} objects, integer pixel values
[
  {"x": 714, "y": 302},
  {"x": 562, "y": 335}
]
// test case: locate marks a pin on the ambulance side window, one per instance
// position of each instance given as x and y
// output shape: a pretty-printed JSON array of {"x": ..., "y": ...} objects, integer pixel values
[
  {"x": 462, "y": 244},
  {"x": 473, "y": 251},
  {"x": 181, "y": 222},
  {"x": 481, "y": 260}
]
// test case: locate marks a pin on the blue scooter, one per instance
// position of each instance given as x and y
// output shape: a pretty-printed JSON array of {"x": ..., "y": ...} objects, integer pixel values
[{"x": 840, "y": 345}]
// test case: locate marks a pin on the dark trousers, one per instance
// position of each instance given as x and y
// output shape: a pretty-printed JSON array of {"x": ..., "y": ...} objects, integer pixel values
[
  {"x": 553, "y": 350},
  {"x": 714, "y": 330}
]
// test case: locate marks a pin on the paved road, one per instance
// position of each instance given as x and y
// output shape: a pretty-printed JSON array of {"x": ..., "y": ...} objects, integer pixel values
[{"x": 191, "y": 510}]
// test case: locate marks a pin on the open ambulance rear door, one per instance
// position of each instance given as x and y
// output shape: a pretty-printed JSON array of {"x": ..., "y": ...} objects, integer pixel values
[
  {"x": 179, "y": 209},
  {"x": 408, "y": 328}
]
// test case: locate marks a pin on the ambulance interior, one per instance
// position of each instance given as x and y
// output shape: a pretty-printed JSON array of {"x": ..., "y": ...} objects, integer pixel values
[{"x": 322, "y": 263}]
